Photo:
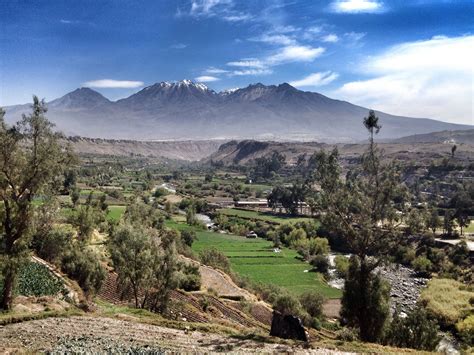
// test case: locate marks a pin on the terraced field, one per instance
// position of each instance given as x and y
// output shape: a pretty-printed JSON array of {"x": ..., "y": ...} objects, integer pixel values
[
  {"x": 256, "y": 259},
  {"x": 254, "y": 215}
]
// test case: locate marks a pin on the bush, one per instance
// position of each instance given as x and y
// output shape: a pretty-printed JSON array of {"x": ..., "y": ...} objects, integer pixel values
[
  {"x": 347, "y": 334},
  {"x": 320, "y": 263},
  {"x": 422, "y": 266},
  {"x": 287, "y": 305},
  {"x": 465, "y": 329},
  {"x": 342, "y": 265},
  {"x": 189, "y": 278},
  {"x": 53, "y": 245},
  {"x": 83, "y": 265},
  {"x": 312, "y": 303},
  {"x": 415, "y": 331},
  {"x": 213, "y": 257},
  {"x": 188, "y": 237}
]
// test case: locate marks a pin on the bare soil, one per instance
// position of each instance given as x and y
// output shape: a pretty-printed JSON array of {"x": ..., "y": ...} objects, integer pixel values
[{"x": 81, "y": 334}]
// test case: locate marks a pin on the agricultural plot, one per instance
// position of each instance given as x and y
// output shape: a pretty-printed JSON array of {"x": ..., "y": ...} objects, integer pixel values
[
  {"x": 262, "y": 216},
  {"x": 114, "y": 213},
  {"x": 255, "y": 259}
]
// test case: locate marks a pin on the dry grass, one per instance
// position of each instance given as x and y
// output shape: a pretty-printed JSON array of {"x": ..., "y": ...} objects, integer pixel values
[{"x": 447, "y": 300}]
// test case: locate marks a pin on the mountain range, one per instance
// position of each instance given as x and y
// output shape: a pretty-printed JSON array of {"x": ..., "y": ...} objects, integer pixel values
[{"x": 187, "y": 110}]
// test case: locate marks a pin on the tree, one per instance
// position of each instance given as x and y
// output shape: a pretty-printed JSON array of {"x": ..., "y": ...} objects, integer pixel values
[
  {"x": 462, "y": 204},
  {"x": 75, "y": 195},
  {"x": 191, "y": 215},
  {"x": 363, "y": 209},
  {"x": 130, "y": 250},
  {"x": 145, "y": 261},
  {"x": 365, "y": 302},
  {"x": 31, "y": 159},
  {"x": 434, "y": 221},
  {"x": 83, "y": 265}
]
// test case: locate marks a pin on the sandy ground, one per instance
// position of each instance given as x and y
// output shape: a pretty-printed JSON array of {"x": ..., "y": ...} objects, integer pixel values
[{"x": 106, "y": 335}]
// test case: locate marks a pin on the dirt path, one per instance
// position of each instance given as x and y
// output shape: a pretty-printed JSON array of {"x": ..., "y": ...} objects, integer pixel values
[{"x": 106, "y": 335}]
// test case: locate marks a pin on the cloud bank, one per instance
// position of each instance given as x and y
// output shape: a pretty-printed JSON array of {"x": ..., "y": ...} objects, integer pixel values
[
  {"x": 113, "y": 84},
  {"x": 432, "y": 78}
]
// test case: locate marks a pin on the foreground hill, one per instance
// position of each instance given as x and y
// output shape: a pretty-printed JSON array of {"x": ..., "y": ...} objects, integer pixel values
[{"x": 187, "y": 110}]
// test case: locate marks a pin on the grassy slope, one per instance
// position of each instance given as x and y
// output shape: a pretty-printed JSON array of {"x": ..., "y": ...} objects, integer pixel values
[{"x": 255, "y": 259}]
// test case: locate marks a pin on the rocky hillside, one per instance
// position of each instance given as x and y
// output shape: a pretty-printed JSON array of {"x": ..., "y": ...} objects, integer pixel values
[
  {"x": 244, "y": 152},
  {"x": 187, "y": 110},
  {"x": 177, "y": 150},
  {"x": 454, "y": 137}
]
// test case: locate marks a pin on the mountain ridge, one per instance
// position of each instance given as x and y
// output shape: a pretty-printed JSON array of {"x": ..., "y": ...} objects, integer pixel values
[{"x": 187, "y": 110}]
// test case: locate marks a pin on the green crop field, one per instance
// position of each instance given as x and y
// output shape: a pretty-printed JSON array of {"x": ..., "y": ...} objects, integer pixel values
[
  {"x": 255, "y": 259},
  {"x": 247, "y": 214},
  {"x": 114, "y": 213}
]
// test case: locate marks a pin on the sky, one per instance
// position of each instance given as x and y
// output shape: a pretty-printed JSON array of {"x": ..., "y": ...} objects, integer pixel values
[{"x": 405, "y": 57}]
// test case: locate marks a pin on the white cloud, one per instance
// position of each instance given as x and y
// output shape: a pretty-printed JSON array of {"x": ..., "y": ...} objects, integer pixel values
[
  {"x": 248, "y": 63},
  {"x": 432, "y": 78},
  {"x": 213, "y": 70},
  {"x": 295, "y": 53},
  {"x": 255, "y": 72},
  {"x": 275, "y": 39},
  {"x": 316, "y": 79},
  {"x": 354, "y": 37},
  {"x": 206, "y": 79},
  {"x": 237, "y": 17},
  {"x": 204, "y": 7},
  {"x": 330, "y": 38},
  {"x": 222, "y": 9},
  {"x": 113, "y": 84},
  {"x": 178, "y": 46},
  {"x": 356, "y": 6}
]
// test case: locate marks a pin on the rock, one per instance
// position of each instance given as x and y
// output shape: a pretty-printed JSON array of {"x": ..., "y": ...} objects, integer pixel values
[{"x": 287, "y": 327}]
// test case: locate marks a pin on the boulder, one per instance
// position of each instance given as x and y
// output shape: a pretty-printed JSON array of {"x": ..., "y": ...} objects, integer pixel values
[{"x": 288, "y": 327}]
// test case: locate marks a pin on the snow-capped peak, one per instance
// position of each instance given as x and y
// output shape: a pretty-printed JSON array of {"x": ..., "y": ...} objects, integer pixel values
[{"x": 228, "y": 91}]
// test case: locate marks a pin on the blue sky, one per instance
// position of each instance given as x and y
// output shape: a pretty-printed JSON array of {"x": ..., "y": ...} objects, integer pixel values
[{"x": 410, "y": 57}]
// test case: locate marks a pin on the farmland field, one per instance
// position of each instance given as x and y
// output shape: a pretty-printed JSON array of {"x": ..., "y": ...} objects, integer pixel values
[
  {"x": 247, "y": 214},
  {"x": 255, "y": 259},
  {"x": 114, "y": 213}
]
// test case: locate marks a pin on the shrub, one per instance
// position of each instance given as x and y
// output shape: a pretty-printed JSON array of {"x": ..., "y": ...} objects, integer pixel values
[
  {"x": 347, "y": 334},
  {"x": 213, "y": 257},
  {"x": 415, "y": 331},
  {"x": 287, "y": 305},
  {"x": 312, "y": 303},
  {"x": 83, "y": 265},
  {"x": 318, "y": 246},
  {"x": 188, "y": 237},
  {"x": 422, "y": 266},
  {"x": 53, "y": 245},
  {"x": 189, "y": 278},
  {"x": 465, "y": 329},
  {"x": 320, "y": 263},
  {"x": 342, "y": 265}
]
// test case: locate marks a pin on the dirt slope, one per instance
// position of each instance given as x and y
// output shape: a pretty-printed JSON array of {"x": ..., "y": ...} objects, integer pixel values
[{"x": 105, "y": 335}]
